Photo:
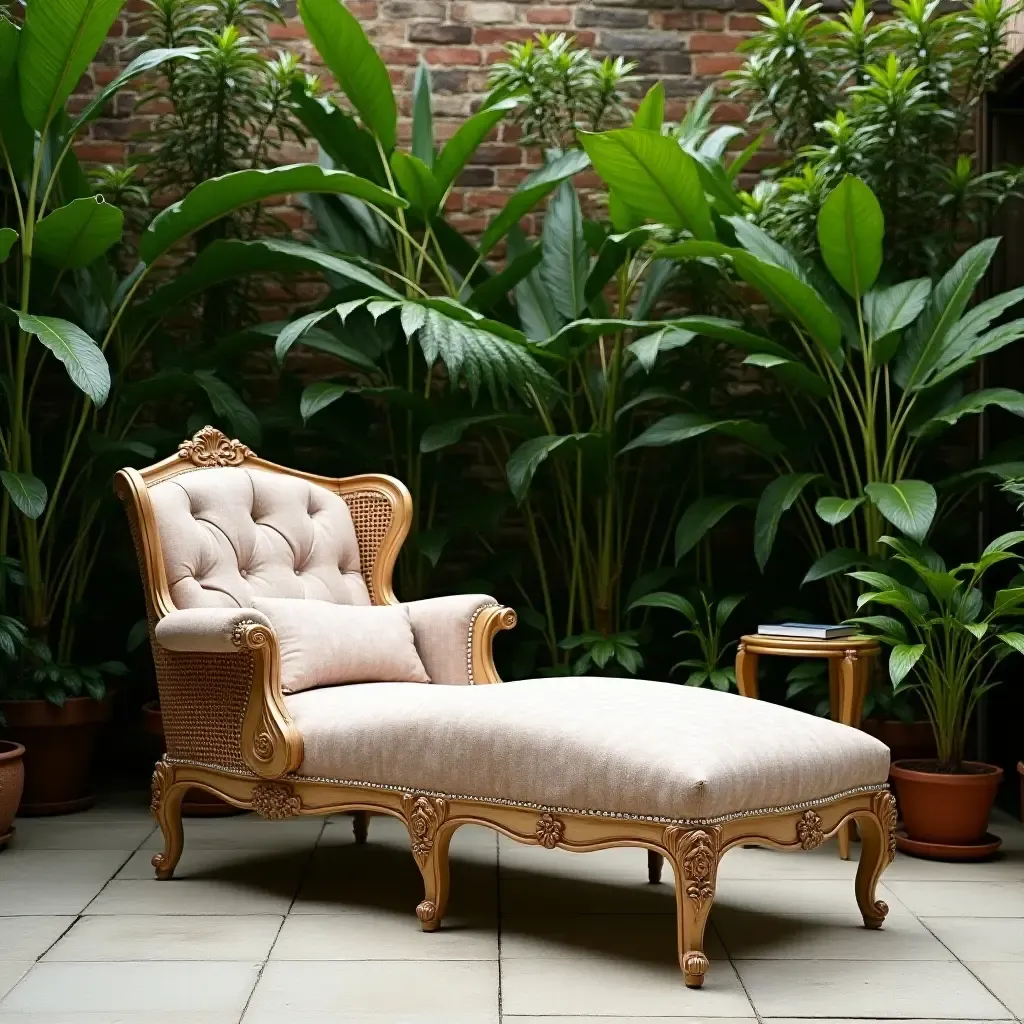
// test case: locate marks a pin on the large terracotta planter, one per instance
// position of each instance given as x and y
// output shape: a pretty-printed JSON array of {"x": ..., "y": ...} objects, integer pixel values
[
  {"x": 59, "y": 744},
  {"x": 942, "y": 809},
  {"x": 905, "y": 740},
  {"x": 198, "y": 803},
  {"x": 12, "y": 779}
]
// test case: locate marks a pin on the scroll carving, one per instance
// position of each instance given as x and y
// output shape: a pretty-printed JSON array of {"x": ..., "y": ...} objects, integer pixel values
[
  {"x": 809, "y": 831},
  {"x": 211, "y": 447},
  {"x": 424, "y": 815},
  {"x": 885, "y": 808},
  {"x": 275, "y": 800},
  {"x": 550, "y": 831},
  {"x": 163, "y": 776},
  {"x": 696, "y": 853}
]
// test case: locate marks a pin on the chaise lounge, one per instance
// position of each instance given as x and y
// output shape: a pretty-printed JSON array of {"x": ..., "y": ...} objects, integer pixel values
[{"x": 292, "y": 681}]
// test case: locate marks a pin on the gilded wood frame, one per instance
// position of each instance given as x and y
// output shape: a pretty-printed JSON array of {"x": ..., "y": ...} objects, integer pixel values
[{"x": 271, "y": 749}]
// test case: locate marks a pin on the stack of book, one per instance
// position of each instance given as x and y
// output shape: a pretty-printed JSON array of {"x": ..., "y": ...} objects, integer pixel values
[{"x": 807, "y": 631}]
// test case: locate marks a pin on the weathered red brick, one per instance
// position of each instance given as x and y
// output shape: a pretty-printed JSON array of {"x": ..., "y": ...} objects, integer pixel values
[
  {"x": 458, "y": 55},
  {"x": 399, "y": 55},
  {"x": 714, "y": 42},
  {"x": 101, "y": 152},
  {"x": 717, "y": 64},
  {"x": 548, "y": 15}
]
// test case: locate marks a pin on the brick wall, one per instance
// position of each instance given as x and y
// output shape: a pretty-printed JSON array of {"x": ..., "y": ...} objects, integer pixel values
[{"x": 685, "y": 43}]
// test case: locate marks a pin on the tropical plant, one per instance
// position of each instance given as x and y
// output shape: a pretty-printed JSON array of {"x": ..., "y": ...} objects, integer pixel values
[
  {"x": 563, "y": 87},
  {"x": 615, "y": 652},
  {"x": 949, "y": 638},
  {"x": 868, "y": 371},
  {"x": 889, "y": 101},
  {"x": 705, "y": 630},
  {"x": 64, "y": 299}
]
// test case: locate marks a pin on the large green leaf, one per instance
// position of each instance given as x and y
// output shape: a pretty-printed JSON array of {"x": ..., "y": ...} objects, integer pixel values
[
  {"x": 835, "y": 510},
  {"x": 27, "y": 492},
  {"x": 8, "y": 236},
  {"x": 850, "y": 232},
  {"x": 417, "y": 182},
  {"x": 891, "y": 309},
  {"x": 537, "y": 313},
  {"x": 497, "y": 287},
  {"x": 58, "y": 42},
  {"x": 665, "y": 599},
  {"x": 217, "y": 197},
  {"x": 759, "y": 243},
  {"x": 145, "y": 62},
  {"x": 464, "y": 143},
  {"x": 355, "y": 64},
  {"x": 422, "y": 116},
  {"x": 227, "y": 403},
  {"x": 902, "y": 659},
  {"x": 527, "y": 458},
  {"x": 792, "y": 371},
  {"x": 908, "y": 504},
  {"x": 16, "y": 137},
  {"x": 565, "y": 261},
  {"x": 651, "y": 174},
  {"x": 924, "y": 345},
  {"x": 78, "y": 233},
  {"x": 698, "y": 519},
  {"x": 836, "y": 560},
  {"x": 80, "y": 355},
  {"x": 444, "y": 435},
  {"x": 651, "y": 113},
  {"x": 648, "y": 348},
  {"x": 685, "y": 426},
  {"x": 530, "y": 192},
  {"x": 341, "y": 137},
  {"x": 778, "y": 497},
  {"x": 970, "y": 405}
]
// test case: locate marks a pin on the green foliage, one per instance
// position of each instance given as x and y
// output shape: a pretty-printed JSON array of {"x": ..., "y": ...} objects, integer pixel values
[
  {"x": 564, "y": 89},
  {"x": 950, "y": 636},
  {"x": 600, "y": 653},
  {"x": 887, "y": 101}
]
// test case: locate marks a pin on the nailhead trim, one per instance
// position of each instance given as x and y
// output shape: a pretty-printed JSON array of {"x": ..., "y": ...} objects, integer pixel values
[
  {"x": 551, "y": 809},
  {"x": 469, "y": 640}
]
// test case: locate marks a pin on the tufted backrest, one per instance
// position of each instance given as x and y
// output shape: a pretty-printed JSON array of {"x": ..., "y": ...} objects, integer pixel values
[{"x": 231, "y": 534}]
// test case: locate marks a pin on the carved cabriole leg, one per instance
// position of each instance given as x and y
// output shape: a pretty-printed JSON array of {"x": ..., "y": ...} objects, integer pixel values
[
  {"x": 360, "y": 826},
  {"x": 746, "y": 672},
  {"x": 166, "y": 808},
  {"x": 655, "y": 862},
  {"x": 877, "y": 851},
  {"x": 849, "y": 674},
  {"x": 424, "y": 816},
  {"x": 694, "y": 855}
]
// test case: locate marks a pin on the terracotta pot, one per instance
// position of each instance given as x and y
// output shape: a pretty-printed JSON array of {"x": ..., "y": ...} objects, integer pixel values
[
  {"x": 198, "y": 803},
  {"x": 905, "y": 740},
  {"x": 59, "y": 743},
  {"x": 946, "y": 809},
  {"x": 12, "y": 779}
]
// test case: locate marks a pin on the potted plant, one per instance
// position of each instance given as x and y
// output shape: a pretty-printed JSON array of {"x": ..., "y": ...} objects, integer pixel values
[
  {"x": 946, "y": 645},
  {"x": 12, "y": 778}
]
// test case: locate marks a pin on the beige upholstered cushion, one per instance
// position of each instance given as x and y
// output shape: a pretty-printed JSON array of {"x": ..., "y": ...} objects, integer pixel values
[
  {"x": 204, "y": 629},
  {"x": 231, "y": 534},
  {"x": 443, "y": 627},
  {"x": 629, "y": 746},
  {"x": 323, "y": 643}
]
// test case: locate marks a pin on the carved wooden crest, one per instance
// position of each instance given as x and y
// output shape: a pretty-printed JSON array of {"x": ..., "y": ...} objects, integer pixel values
[
  {"x": 885, "y": 808},
  {"x": 696, "y": 853},
  {"x": 211, "y": 447},
  {"x": 808, "y": 831},
  {"x": 424, "y": 814},
  {"x": 275, "y": 800},
  {"x": 550, "y": 831},
  {"x": 163, "y": 775}
]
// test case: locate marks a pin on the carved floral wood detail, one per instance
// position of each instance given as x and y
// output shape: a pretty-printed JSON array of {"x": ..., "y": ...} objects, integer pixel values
[
  {"x": 275, "y": 800},
  {"x": 885, "y": 808},
  {"x": 211, "y": 447},
  {"x": 696, "y": 853},
  {"x": 424, "y": 815},
  {"x": 550, "y": 831},
  {"x": 809, "y": 831},
  {"x": 163, "y": 776}
]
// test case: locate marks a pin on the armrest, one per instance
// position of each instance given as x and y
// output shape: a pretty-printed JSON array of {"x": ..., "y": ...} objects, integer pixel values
[
  {"x": 454, "y": 636},
  {"x": 206, "y": 630}
]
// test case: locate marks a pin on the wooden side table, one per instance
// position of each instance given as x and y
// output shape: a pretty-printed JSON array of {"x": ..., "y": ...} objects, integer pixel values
[{"x": 849, "y": 672}]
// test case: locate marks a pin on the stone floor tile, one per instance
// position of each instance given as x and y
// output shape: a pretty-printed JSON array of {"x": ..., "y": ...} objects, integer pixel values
[
  {"x": 28, "y": 938},
  {"x": 132, "y": 987},
  {"x": 797, "y": 897},
  {"x": 191, "y": 896},
  {"x": 1006, "y": 866},
  {"x": 860, "y": 1020},
  {"x": 749, "y": 935},
  {"x": 295, "y": 991},
  {"x": 762, "y": 863},
  {"x": 119, "y": 1017},
  {"x": 981, "y": 938},
  {"x": 583, "y": 888},
  {"x": 20, "y": 865},
  {"x": 166, "y": 937},
  {"x": 645, "y": 938},
  {"x": 602, "y": 1019},
  {"x": 876, "y": 989},
  {"x": 381, "y": 935},
  {"x": 53, "y": 897},
  {"x": 1005, "y": 980},
  {"x": 81, "y": 834},
  {"x": 225, "y": 864},
  {"x": 616, "y": 986},
  {"x": 244, "y": 832},
  {"x": 11, "y": 972},
  {"x": 961, "y": 899}
]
